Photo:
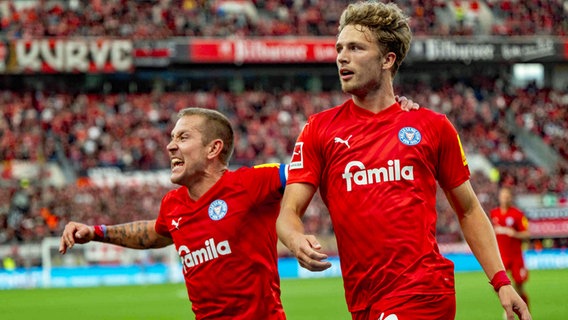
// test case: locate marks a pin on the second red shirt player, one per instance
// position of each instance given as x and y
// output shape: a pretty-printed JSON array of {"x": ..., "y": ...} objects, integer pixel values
[{"x": 511, "y": 229}]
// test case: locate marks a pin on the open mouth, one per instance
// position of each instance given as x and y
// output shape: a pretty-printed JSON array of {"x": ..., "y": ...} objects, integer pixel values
[
  {"x": 345, "y": 74},
  {"x": 176, "y": 163}
]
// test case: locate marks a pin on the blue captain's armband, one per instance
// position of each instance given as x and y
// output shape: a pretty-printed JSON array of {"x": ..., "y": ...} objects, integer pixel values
[{"x": 283, "y": 175}]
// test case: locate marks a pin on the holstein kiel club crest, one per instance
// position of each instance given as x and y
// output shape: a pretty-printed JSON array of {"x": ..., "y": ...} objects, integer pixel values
[
  {"x": 409, "y": 136},
  {"x": 217, "y": 209}
]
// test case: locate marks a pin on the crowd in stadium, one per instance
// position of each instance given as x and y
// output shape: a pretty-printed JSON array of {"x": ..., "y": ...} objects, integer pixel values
[
  {"x": 160, "y": 19},
  {"x": 131, "y": 130}
]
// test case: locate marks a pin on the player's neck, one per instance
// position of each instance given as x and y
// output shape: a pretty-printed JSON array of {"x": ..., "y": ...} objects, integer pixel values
[
  {"x": 374, "y": 103},
  {"x": 377, "y": 100},
  {"x": 205, "y": 183}
]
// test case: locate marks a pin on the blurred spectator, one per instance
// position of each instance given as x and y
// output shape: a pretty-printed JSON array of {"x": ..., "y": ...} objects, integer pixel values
[
  {"x": 519, "y": 18},
  {"x": 19, "y": 210},
  {"x": 159, "y": 19},
  {"x": 129, "y": 131}
]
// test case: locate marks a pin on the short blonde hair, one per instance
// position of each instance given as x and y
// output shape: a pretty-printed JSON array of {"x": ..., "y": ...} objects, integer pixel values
[
  {"x": 216, "y": 126},
  {"x": 386, "y": 21}
]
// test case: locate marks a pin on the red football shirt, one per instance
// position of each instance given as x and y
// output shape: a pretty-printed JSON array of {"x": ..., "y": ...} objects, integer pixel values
[
  {"x": 509, "y": 247},
  {"x": 227, "y": 243},
  {"x": 377, "y": 175}
]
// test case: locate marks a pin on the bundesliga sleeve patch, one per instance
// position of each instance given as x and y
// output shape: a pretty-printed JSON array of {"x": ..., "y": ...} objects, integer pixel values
[{"x": 297, "y": 161}]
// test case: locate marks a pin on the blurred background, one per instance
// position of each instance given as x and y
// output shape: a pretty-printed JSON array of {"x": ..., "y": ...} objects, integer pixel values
[{"x": 89, "y": 91}]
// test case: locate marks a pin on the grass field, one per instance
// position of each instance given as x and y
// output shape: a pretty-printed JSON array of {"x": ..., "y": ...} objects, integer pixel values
[{"x": 302, "y": 299}]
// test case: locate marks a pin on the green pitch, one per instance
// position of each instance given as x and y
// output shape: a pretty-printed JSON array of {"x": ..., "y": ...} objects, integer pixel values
[{"x": 303, "y": 300}]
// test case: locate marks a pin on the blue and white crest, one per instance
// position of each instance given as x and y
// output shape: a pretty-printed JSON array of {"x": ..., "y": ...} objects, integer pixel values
[
  {"x": 217, "y": 209},
  {"x": 409, "y": 136}
]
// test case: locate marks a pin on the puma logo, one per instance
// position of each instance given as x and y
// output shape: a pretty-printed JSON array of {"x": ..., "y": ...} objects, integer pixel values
[
  {"x": 389, "y": 317},
  {"x": 176, "y": 223},
  {"x": 345, "y": 142}
]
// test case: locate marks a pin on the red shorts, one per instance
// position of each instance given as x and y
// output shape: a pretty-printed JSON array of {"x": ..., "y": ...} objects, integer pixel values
[
  {"x": 423, "y": 307},
  {"x": 517, "y": 267}
]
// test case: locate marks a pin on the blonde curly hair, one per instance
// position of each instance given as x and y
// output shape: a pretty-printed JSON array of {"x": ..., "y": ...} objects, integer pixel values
[{"x": 386, "y": 22}]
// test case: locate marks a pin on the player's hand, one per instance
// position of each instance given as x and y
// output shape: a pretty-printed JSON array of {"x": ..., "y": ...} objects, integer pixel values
[
  {"x": 75, "y": 232},
  {"x": 306, "y": 249},
  {"x": 406, "y": 104},
  {"x": 513, "y": 304}
]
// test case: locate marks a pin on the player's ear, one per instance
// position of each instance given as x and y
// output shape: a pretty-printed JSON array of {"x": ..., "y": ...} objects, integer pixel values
[
  {"x": 215, "y": 148},
  {"x": 388, "y": 60}
]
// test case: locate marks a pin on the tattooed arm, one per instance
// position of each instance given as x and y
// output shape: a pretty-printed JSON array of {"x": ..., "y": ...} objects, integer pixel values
[{"x": 135, "y": 235}]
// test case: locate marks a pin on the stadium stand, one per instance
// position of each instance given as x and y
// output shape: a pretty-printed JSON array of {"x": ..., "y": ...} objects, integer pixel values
[
  {"x": 84, "y": 131},
  {"x": 129, "y": 132},
  {"x": 159, "y": 19}
]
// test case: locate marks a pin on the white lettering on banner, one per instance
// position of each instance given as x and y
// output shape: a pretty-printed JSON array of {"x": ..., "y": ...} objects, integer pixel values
[
  {"x": 528, "y": 51},
  {"x": 55, "y": 60},
  {"x": 262, "y": 51},
  {"x": 325, "y": 53},
  {"x": 27, "y": 56},
  {"x": 450, "y": 50},
  {"x": 376, "y": 175},
  {"x": 74, "y": 55},
  {"x": 209, "y": 252}
]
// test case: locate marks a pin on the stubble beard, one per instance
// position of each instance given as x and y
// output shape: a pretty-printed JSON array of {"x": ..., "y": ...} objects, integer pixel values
[
  {"x": 348, "y": 87},
  {"x": 357, "y": 89}
]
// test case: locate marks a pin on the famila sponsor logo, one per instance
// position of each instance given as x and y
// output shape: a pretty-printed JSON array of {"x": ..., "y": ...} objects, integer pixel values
[
  {"x": 211, "y": 251},
  {"x": 363, "y": 176}
]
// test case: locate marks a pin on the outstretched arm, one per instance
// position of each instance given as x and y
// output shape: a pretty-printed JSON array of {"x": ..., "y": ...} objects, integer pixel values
[
  {"x": 290, "y": 228},
  {"x": 480, "y": 236},
  {"x": 135, "y": 235}
]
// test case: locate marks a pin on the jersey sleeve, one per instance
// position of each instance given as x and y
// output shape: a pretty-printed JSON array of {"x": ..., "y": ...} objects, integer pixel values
[
  {"x": 266, "y": 181},
  {"x": 523, "y": 222},
  {"x": 305, "y": 164},
  {"x": 453, "y": 169}
]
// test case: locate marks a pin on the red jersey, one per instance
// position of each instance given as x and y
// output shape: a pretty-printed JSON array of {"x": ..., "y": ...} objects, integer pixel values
[
  {"x": 509, "y": 247},
  {"x": 227, "y": 243},
  {"x": 377, "y": 175}
]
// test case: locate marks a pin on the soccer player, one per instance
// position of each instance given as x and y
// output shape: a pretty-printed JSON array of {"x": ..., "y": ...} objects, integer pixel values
[
  {"x": 222, "y": 223},
  {"x": 511, "y": 228},
  {"x": 376, "y": 169}
]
